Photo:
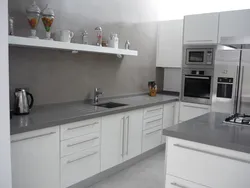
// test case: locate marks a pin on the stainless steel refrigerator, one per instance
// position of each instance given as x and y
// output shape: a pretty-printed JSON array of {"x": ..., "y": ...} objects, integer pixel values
[{"x": 231, "y": 86}]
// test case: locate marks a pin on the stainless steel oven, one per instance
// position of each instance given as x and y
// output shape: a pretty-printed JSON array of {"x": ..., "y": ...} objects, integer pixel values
[
  {"x": 197, "y": 85},
  {"x": 199, "y": 56}
]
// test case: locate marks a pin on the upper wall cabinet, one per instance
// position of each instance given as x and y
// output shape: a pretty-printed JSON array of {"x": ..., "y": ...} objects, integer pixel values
[
  {"x": 234, "y": 24},
  {"x": 201, "y": 29},
  {"x": 169, "y": 44}
]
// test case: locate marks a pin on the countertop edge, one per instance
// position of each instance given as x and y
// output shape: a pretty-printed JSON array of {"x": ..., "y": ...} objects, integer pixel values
[
  {"x": 225, "y": 145},
  {"x": 91, "y": 116}
]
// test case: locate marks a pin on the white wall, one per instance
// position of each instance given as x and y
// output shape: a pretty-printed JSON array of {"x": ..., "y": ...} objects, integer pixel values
[
  {"x": 172, "y": 79},
  {"x": 5, "y": 166}
]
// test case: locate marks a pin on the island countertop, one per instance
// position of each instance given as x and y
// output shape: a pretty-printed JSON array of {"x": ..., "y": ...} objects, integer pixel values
[
  {"x": 58, "y": 114},
  {"x": 209, "y": 129}
]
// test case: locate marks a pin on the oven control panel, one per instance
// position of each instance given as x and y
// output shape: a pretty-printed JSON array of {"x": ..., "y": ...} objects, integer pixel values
[{"x": 209, "y": 57}]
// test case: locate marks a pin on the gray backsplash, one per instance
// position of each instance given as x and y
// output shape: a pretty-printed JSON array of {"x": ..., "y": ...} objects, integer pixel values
[{"x": 55, "y": 76}]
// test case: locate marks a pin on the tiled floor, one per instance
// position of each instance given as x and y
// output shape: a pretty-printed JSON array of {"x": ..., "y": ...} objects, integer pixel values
[{"x": 148, "y": 173}]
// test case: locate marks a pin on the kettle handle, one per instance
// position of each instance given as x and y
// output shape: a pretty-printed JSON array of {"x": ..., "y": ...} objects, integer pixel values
[{"x": 31, "y": 101}]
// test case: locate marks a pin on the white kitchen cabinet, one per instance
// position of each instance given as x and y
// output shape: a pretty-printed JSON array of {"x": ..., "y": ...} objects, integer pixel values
[
  {"x": 192, "y": 110},
  {"x": 174, "y": 182},
  {"x": 35, "y": 158},
  {"x": 201, "y": 28},
  {"x": 168, "y": 117},
  {"x": 121, "y": 138},
  {"x": 151, "y": 138},
  {"x": 112, "y": 136},
  {"x": 169, "y": 44},
  {"x": 176, "y": 113},
  {"x": 79, "y": 166},
  {"x": 234, "y": 24},
  {"x": 207, "y": 165},
  {"x": 133, "y": 133}
]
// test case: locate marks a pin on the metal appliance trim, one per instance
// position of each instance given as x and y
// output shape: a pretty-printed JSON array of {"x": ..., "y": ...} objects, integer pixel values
[
  {"x": 197, "y": 100},
  {"x": 198, "y": 47}
]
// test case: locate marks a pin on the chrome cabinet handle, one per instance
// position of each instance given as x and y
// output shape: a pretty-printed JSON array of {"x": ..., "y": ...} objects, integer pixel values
[
  {"x": 122, "y": 136},
  {"x": 71, "y": 161},
  {"x": 154, "y": 120},
  {"x": 197, "y": 77},
  {"x": 196, "y": 107},
  {"x": 199, "y": 40},
  {"x": 82, "y": 126},
  {"x": 38, "y": 136},
  {"x": 212, "y": 153},
  {"x": 127, "y": 133},
  {"x": 240, "y": 87},
  {"x": 178, "y": 185},
  {"x": 154, "y": 109},
  {"x": 70, "y": 145},
  {"x": 153, "y": 132}
]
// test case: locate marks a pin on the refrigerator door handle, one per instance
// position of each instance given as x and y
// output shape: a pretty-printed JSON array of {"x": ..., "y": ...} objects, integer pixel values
[
  {"x": 240, "y": 89},
  {"x": 236, "y": 90}
]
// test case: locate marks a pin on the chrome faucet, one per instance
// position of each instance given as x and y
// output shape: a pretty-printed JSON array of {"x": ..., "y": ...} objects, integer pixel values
[{"x": 97, "y": 92}]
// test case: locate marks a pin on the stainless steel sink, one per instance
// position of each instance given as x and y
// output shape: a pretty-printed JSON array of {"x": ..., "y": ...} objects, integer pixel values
[{"x": 111, "y": 105}]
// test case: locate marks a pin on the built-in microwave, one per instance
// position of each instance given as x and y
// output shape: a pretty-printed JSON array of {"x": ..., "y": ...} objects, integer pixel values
[{"x": 199, "y": 57}]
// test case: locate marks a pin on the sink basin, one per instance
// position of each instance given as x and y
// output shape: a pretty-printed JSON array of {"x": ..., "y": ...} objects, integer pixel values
[{"x": 110, "y": 105}]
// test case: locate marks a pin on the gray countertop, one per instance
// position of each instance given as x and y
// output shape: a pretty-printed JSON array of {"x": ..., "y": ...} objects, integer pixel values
[
  {"x": 209, "y": 129},
  {"x": 58, "y": 114}
]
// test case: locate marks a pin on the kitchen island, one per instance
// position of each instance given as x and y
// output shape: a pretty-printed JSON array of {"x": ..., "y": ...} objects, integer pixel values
[{"x": 205, "y": 152}]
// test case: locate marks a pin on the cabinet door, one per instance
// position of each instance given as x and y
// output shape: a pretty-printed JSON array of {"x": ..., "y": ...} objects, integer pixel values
[
  {"x": 35, "y": 159},
  {"x": 174, "y": 182},
  {"x": 151, "y": 138},
  {"x": 169, "y": 43},
  {"x": 79, "y": 166},
  {"x": 168, "y": 117},
  {"x": 177, "y": 113},
  {"x": 133, "y": 134},
  {"x": 234, "y": 24},
  {"x": 190, "y": 110},
  {"x": 201, "y": 28},
  {"x": 112, "y": 140},
  {"x": 208, "y": 165}
]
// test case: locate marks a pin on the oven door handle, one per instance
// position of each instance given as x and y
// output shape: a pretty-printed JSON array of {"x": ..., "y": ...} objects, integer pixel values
[{"x": 197, "y": 77}]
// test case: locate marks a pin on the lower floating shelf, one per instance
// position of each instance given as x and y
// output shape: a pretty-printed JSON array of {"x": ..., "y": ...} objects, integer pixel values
[{"x": 40, "y": 43}]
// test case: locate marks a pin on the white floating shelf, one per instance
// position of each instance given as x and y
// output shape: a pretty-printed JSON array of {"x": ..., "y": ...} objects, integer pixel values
[{"x": 40, "y": 43}]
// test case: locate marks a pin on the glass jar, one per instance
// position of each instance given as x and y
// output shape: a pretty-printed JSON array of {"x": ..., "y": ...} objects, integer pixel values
[
  {"x": 99, "y": 36},
  {"x": 33, "y": 15},
  {"x": 48, "y": 17}
]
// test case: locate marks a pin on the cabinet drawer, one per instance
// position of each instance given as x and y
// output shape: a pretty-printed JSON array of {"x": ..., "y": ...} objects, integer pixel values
[
  {"x": 152, "y": 122},
  {"x": 208, "y": 165},
  {"x": 72, "y": 130},
  {"x": 79, "y": 166},
  {"x": 189, "y": 110},
  {"x": 153, "y": 111},
  {"x": 151, "y": 138},
  {"x": 79, "y": 143},
  {"x": 173, "y": 182}
]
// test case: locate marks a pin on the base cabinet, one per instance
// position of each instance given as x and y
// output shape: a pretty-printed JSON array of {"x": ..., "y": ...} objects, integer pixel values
[
  {"x": 151, "y": 138},
  {"x": 190, "y": 110},
  {"x": 80, "y": 166},
  {"x": 174, "y": 182},
  {"x": 207, "y": 165},
  {"x": 168, "y": 117},
  {"x": 35, "y": 159},
  {"x": 111, "y": 140},
  {"x": 133, "y": 130},
  {"x": 121, "y": 138}
]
